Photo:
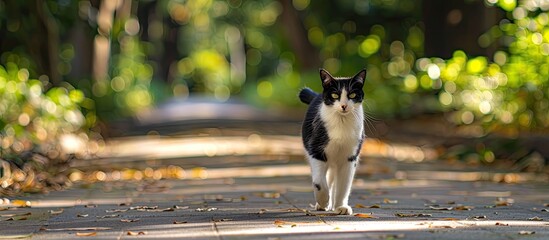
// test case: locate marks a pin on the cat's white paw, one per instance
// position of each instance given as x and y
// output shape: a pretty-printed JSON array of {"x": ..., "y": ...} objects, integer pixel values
[
  {"x": 344, "y": 210},
  {"x": 318, "y": 207}
]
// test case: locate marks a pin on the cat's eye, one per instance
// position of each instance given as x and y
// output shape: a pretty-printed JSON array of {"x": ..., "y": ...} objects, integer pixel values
[
  {"x": 335, "y": 95},
  {"x": 352, "y": 95}
]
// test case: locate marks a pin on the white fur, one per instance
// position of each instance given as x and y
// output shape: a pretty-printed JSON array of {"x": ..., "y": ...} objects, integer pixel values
[{"x": 335, "y": 177}]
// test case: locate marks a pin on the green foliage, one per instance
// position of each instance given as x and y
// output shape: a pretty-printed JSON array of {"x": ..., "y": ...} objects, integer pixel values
[
  {"x": 510, "y": 91},
  {"x": 35, "y": 118},
  {"x": 128, "y": 89}
]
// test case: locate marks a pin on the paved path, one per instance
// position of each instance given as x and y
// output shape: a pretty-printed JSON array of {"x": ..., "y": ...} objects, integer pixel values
[{"x": 226, "y": 206}]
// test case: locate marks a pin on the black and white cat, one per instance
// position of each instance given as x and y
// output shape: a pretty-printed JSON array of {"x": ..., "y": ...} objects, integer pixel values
[{"x": 333, "y": 132}]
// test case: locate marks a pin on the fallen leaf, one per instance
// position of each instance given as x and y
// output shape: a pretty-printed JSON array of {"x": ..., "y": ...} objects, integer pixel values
[
  {"x": 131, "y": 233},
  {"x": 10, "y": 219},
  {"x": 413, "y": 215},
  {"x": 479, "y": 217},
  {"x": 536, "y": 218},
  {"x": 161, "y": 210},
  {"x": 124, "y": 204},
  {"x": 392, "y": 236},
  {"x": 502, "y": 224},
  {"x": 386, "y": 200},
  {"x": 109, "y": 216},
  {"x": 545, "y": 210},
  {"x": 16, "y": 214},
  {"x": 21, "y": 203},
  {"x": 262, "y": 211},
  {"x": 130, "y": 220},
  {"x": 116, "y": 210},
  {"x": 53, "y": 212},
  {"x": 180, "y": 207},
  {"x": 143, "y": 208},
  {"x": 364, "y": 215},
  {"x": 90, "y": 206},
  {"x": 269, "y": 195},
  {"x": 463, "y": 208},
  {"x": 501, "y": 202},
  {"x": 440, "y": 208},
  {"x": 441, "y": 226},
  {"x": 82, "y": 215},
  {"x": 281, "y": 223},
  {"x": 86, "y": 234},
  {"x": 179, "y": 222},
  {"x": 526, "y": 232},
  {"x": 206, "y": 209},
  {"x": 222, "y": 220}
]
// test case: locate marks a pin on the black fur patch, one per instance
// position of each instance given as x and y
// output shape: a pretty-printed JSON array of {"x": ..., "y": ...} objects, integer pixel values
[
  {"x": 317, "y": 186},
  {"x": 315, "y": 136},
  {"x": 353, "y": 158}
]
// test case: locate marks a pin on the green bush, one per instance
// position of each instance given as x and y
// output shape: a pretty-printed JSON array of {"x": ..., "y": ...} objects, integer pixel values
[{"x": 33, "y": 118}]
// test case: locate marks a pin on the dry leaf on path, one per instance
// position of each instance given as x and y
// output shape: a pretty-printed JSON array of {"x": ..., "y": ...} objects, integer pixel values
[
  {"x": 130, "y": 220},
  {"x": 16, "y": 214},
  {"x": 281, "y": 223},
  {"x": 53, "y": 212},
  {"x": 180, "y": 207},
  {"x": 441, "y": 208},
  {"x": 206, "y": 209},
  {"x": 82, "y": 215},
  {"x": 389, "y": 201},
  {"x": 364, "y": 215},
  {"x": 413, "y": 215},
  {"x": 90, "y": 206},
  {"x": 222, "y": 220},
  {"x": 536, "y": 218},
  {"x": 464, "y": 208},
  {"x": 116, "y": 210},
  {"x": 86, "y": 234},
  {"x": 131, "y": 233},
  {"x": 269, "y": 195},
  {"x": 21, "y": 203},
  {"x": 109, "y": 216},
  {"x": 502, "y": 224},
  {"x": 526, "y": 232},
  {"x": 161, "y": 210},
  {"x": 179, "y": 222}
]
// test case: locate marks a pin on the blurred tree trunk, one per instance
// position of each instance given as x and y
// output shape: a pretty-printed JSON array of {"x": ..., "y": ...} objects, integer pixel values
[
  {"x": 456, "y": 25},
  {"x": 51, "y": 45},
  {"x": 306, "y": 55}
]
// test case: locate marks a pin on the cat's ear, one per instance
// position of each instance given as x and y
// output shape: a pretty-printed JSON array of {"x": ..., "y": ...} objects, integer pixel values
[
  {"x": 325, "y": 77},
  {"x": 360, "y": 76}
]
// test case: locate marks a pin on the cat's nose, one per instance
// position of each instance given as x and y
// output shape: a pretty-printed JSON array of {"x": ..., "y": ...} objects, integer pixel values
[{"x": 344, "y": 107}]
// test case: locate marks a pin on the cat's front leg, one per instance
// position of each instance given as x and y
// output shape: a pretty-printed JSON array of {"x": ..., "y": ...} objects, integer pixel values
[
  {"x": 343, "y": 185},
  {"x": 318, "y": 171}
]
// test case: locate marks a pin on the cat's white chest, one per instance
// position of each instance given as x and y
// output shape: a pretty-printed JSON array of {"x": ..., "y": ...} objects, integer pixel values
[{"x": 345, "y": 133}]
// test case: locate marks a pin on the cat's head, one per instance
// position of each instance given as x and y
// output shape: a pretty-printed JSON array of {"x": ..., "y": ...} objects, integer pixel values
[{"x": 342, "y": 94}]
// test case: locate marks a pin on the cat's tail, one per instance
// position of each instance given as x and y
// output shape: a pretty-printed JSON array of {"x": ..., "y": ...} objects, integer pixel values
[{"x": 306, "y": 95}]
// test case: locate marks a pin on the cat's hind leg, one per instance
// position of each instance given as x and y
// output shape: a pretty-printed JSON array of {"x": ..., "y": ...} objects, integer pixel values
[
  {"x": 320, "y": 184},
  {"x": 343, "y": 183},
  {"x": 331, "y": 186}
]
